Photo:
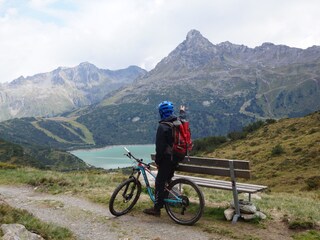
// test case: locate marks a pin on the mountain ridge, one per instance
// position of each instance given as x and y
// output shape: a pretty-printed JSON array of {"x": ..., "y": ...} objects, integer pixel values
[
  {"x": 233, "y": 86},
  {"x": 61, "y": 90},
  {"x": 227, "y": 70}
]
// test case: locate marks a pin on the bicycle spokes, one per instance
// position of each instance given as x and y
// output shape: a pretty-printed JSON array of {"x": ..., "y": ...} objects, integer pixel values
[
  {"x": 185, "y": 202},
  {"x": 125, "y": 197}
]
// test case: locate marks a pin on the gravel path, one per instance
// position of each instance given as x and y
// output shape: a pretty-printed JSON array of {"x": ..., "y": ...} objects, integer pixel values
[{"x": 88, "y": 220}]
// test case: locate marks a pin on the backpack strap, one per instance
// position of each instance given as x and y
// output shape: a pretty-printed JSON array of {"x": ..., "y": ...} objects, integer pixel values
[
  {"x": 175, "y": 123},
  {"x": 174, "y": 126},
  {"x": 170, "y": 124}
]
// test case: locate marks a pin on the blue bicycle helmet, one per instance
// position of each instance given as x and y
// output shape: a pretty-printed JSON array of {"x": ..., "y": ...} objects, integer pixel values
[{"x": 165, "y": 109}]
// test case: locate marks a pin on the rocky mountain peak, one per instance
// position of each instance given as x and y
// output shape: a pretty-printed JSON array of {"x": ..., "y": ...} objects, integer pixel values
[
  {"x": 225, "y": 44},
  {"x": 193, "y": 34},
  {"x": 267, "y": 44},
  {"x": 195, "y": 40},
  {"x": 87, "y": 66},
  {"x": 17, "y": 81},
  {"x": 194, "y": 52}
]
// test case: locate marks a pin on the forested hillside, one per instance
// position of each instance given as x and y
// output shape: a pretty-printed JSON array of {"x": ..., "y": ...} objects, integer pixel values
[{"x": 38, "y": 157}]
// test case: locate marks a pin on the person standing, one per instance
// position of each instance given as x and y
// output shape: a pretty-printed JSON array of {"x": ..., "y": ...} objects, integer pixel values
[{"x": 166, "y": 161}]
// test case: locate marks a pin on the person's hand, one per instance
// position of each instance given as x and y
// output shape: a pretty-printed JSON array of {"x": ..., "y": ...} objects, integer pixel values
[{"x": 182, "y": 108}]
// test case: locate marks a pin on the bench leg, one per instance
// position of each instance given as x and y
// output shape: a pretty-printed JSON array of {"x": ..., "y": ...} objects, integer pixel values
[
  {"x": 235, "y": 193},
  {"x": 236, "y": 203},
  {"x": 235, "y": 218}
]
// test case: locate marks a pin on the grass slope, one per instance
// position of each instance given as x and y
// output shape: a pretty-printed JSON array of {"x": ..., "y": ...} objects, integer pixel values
[
  {"x": 64, "y": 130},
  {"x": 291, "y": 214},
  {"x": 284, "y": 155}
]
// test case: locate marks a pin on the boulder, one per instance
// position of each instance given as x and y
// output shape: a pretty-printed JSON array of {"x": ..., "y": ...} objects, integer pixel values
[
  {"x": 251, "y": 216},
  {"x": 18, "y": 232},
  {"x": 247, "y": 216},
  {"x": 246, "y": 207},
  {"x": 248, "y": 211},
  {"x": 228, "y": 213},
  {"x": 261, "y": 215}
]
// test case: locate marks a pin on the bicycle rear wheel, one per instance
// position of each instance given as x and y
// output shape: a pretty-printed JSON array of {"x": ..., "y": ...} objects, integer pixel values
[
  {"x": 190, "y": 209},
  {"x": 125, "y": 196}
]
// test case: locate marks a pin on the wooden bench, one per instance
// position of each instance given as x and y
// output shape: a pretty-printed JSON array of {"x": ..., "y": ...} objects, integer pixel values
[{"x": 219, "y": 167}]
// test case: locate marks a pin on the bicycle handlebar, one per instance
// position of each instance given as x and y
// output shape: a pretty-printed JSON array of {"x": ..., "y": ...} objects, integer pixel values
[
  {"x": 129, "y": 155},
  {"x": 126, "y": 149}
]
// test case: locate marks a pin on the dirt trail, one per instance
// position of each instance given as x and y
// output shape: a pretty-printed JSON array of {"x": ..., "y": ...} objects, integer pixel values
[{"x": 88, "y": 220}]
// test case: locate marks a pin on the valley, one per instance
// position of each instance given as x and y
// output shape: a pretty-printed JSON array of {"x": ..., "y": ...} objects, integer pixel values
[{"x": 283, "y": 154}]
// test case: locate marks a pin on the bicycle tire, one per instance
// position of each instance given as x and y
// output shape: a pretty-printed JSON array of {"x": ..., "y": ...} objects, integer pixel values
[
  {"x": 120, "y": 197},
  {"x": 191, "y": 209}
]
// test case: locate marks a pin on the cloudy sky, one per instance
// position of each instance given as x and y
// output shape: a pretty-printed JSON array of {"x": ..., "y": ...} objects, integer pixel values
[{"x": 40, "y": 35}]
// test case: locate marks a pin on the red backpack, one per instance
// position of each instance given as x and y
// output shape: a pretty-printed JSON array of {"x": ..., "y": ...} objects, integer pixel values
[{"x": 182, "y": 143}]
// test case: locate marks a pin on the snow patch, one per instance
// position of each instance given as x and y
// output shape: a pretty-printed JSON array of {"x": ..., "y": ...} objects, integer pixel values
[
  {"x": 14, "y": 111},
  {"x": 206, "y": 103},
  {"x": 135, "y": 119}
]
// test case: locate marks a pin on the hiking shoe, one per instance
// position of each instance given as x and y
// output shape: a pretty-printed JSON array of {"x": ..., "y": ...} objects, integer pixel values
[{"x": 152, "y": 211}]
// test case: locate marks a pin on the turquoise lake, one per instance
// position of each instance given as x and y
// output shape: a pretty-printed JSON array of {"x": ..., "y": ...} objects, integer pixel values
[{"x": 112, "y": 157}]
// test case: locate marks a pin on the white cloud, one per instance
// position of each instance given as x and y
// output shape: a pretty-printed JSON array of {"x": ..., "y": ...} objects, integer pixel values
[{"x": 40, "y": 35}]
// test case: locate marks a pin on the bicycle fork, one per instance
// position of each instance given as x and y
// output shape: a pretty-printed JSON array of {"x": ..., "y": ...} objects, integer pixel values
[{"x": 126, "y": 196}]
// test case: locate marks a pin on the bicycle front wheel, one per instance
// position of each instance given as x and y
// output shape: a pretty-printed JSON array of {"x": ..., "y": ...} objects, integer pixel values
[
  {"x": 125, "y": 196},
  {"x": 185, "y": 202}
]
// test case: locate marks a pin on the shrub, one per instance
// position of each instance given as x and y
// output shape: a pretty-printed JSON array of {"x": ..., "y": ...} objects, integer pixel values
[
  {"x": 300, "y": 224},
  {"x": 237, "y": 135},
  {"x": 297, "y": 150},
  {"x": 7, "y": 166},
  {"x": 253, "y": 126},
  {"x": 270, "y": 121},
  {"x": 277, "y": 150},
  {"x": 293, "y": 128},
  {"x": 207, "y": 144},
  {"x": 312, "y": 131},
  {"x": 313, "y": 183}
]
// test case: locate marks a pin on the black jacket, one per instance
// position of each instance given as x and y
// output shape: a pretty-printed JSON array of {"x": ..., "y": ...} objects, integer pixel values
[{"x": 164, "y": 139}]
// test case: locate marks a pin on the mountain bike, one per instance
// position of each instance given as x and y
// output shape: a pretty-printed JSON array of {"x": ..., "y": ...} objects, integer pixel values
[{"x": 184, "y": 201}]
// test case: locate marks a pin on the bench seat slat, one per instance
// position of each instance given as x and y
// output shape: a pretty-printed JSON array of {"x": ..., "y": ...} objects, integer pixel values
[
  {"x": 216, "y": 162},
  {"x": 213, "y": 162},
  {"x": 239, "y": 189},
  {"x": 219, "y": 181},
  {"x": 224, "y": 185},
  {"x": 227, "y": 185},
  {"x": 212, "y": 171}
]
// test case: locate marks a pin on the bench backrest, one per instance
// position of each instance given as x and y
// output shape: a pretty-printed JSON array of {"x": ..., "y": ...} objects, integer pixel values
[{"x": 213, "y": 166}]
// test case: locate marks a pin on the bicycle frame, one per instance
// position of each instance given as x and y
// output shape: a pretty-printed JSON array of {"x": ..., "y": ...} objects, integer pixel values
[{"x": 143, "y": 169}]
